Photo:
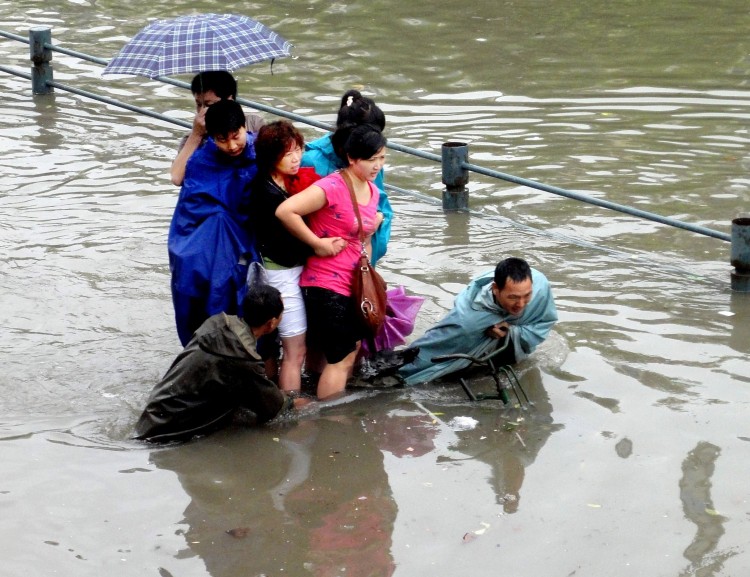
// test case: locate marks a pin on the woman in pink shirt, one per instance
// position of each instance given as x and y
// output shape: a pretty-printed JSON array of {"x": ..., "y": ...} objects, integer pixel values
[{"x": 323, "y": 216}]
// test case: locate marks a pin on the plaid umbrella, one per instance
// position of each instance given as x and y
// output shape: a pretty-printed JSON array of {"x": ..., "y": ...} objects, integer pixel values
[{"x": 191, "y": 44}]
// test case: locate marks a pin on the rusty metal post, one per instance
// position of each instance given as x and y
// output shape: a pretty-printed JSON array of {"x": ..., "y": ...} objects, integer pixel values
[
  {"x": 41, "y": 58},
  {"x": 740, "y": 254},
  {"x": 455, "y": 176}
]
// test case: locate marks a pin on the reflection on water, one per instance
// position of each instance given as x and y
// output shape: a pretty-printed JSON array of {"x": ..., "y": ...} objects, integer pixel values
[
  {"x": 509, "y": 441},
  {"x": 695, "y": 494},
  {"x": 321, "y": 495},
  {"x": 640, "y": 385},
  {"x": 290, "y": 506}
]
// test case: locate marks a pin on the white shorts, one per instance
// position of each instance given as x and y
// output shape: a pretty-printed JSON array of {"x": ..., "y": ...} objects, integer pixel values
[{"x": 294, "y": 319}]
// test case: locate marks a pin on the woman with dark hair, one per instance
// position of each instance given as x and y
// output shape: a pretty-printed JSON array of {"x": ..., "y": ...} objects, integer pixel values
[
  {"x": 323, "y": 217},
  {"x": 278, "y": 149},
  {"x": 324, "y": 156}
]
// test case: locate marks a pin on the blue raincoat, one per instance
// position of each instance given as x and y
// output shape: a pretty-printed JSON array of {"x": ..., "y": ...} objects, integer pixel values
[
  {"x": 462, "y": 329},
  {"x": 320, "y": 155},
  {"x": 210, "y": 245}
]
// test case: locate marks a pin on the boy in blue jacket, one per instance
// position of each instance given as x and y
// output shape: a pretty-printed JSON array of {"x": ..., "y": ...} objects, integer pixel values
[{"x": 210, "y": 245}]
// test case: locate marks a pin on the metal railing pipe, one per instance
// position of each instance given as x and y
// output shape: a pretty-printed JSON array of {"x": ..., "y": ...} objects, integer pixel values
[
  {"x": 598, "y": 202},
  {"x": 52, "y": 47}
]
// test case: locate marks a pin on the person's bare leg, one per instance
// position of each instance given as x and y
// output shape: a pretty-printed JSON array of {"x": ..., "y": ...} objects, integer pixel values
[
  {"x": 290, "y": 375},
  {"x": 334, "y": 376}
]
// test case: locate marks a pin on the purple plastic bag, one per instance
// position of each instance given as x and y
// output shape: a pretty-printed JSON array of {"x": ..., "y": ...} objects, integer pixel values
[{"x": 399, "y": 320}]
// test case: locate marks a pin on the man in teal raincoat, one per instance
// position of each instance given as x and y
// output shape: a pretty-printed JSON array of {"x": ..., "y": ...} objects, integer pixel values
[{"x": 513, "y": 299}]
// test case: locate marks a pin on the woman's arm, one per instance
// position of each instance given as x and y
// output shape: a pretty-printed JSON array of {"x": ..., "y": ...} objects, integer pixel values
[{"x": 291, "y": 213}]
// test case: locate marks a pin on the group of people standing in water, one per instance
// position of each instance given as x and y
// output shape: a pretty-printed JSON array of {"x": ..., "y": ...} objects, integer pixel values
[
  {"x": 265, "y": 197},
  {"x": 255, "y": 196}
]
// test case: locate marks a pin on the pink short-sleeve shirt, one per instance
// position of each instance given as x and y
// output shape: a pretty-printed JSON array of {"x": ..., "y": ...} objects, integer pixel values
[{"x": 337, "y": 218}]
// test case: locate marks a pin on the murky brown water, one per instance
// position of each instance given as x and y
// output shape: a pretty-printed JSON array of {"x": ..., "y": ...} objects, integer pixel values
[{"x": 633, "y": 459}]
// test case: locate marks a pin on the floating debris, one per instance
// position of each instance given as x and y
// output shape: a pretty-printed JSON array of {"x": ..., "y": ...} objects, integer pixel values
[
  {"x": 471, "y": 535},
  {"x": 463, "y": 423}
]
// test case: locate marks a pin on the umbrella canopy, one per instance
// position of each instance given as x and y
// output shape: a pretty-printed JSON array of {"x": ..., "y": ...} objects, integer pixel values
[{"x": 196, "y": 43}]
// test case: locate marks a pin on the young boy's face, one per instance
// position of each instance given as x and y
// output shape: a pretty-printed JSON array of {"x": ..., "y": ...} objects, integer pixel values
[{"x": 233, "y": 143}]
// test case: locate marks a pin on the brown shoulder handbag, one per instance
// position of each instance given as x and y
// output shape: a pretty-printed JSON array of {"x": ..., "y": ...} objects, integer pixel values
[{"x": 368, "y": 287}]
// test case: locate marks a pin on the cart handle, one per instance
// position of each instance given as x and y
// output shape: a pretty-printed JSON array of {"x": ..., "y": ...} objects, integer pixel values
[{"x": 478, "y": 360}]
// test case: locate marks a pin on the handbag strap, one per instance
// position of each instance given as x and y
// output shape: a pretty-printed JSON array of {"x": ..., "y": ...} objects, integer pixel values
[
  {"x": 355, "y": 204},
  {"x": 363, "y": 251}
]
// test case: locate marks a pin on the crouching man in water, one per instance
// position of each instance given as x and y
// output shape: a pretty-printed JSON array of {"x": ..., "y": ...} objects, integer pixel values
[
  {"x": 218, "y": 373},
  {"x": 514, "y": 298}
]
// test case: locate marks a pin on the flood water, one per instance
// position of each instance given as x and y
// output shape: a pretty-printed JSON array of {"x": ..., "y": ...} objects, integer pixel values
[{"x": 632, "y": 458}]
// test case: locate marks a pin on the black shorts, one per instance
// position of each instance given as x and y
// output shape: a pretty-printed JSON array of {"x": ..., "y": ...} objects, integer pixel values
[{"x": 333, "y": 325}]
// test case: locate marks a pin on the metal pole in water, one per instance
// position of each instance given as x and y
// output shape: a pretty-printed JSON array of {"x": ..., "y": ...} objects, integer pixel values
[
  {"x": 740, "y": 254},
  {"x": 41, "y": 57},
  {"x": 455, "y": 176}
]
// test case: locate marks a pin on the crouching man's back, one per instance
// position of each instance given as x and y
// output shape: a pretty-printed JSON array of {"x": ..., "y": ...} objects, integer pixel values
[{"x": 218, "y": 373}]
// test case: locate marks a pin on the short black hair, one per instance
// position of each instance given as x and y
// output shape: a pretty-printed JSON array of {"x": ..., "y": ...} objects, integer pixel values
[
  {"x": 221, "y": 82},
  {"x": 357, "y": 142},
  {"x": 261, "y": 304},
  {"x": 513, "y": 268},
  {"x": 224, "y": 117}
]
